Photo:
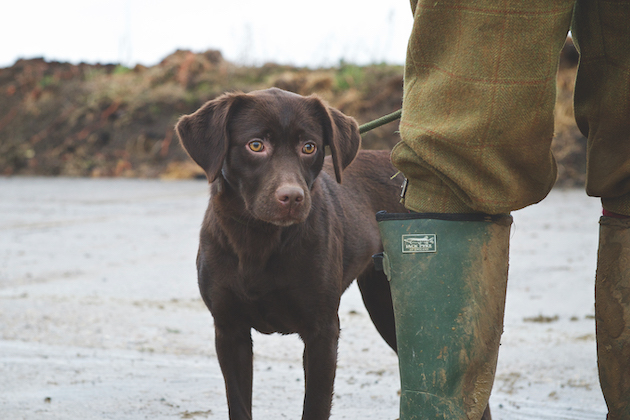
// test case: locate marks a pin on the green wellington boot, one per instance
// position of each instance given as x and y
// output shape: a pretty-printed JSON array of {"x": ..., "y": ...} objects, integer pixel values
[
  {"x": 448, "y": 277},
  {"x": 612, "y": 315}
]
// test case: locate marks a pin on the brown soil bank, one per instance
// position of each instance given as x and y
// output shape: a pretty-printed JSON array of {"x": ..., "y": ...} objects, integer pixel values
[{"x": 109, "y": 120}]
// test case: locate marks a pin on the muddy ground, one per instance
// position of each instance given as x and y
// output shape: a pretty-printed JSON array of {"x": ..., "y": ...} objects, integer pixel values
[{"x": 100, "y": 316}]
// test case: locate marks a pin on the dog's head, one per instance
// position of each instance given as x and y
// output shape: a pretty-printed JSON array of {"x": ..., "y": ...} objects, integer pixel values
[{"x": 269, "y": 147}]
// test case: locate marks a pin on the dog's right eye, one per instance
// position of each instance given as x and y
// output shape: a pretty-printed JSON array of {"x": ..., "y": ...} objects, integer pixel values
[
  {"x": 256, "y": 146},
  {"x": 309, "y": 148}
]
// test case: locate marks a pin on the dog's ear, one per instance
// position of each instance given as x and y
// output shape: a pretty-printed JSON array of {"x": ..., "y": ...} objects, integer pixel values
[
  {"x": 204, "y": 135},
  {"x": 341, "y": 135}
]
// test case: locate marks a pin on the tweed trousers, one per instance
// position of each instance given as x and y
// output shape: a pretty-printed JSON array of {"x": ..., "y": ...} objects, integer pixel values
[{"x": 479, "y": 95}]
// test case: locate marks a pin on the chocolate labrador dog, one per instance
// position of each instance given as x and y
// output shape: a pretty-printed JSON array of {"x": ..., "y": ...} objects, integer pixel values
[{"x": 283, "y": 237}]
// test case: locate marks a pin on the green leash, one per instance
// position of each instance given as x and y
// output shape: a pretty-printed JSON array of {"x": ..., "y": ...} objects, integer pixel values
[{"x": 379, "y": 122}]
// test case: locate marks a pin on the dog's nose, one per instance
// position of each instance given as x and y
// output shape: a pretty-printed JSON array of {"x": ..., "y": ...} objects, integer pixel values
[{"x": 288, "y": 195}]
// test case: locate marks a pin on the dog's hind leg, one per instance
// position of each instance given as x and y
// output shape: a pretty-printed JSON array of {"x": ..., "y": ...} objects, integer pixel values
[
  {"x": 234, "y": 351},
  {"x": 377, "y": 298}
]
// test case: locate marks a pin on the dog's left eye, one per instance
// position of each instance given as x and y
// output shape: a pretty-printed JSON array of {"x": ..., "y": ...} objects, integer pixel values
[
  {"x": 309, "y": 148},
  {"x": 256, "y": 146}
]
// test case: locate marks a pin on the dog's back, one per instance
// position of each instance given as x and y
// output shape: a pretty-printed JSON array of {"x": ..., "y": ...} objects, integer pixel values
[
  {"x": 370, "y": 184},
  {"x": 372, "y": 177}
]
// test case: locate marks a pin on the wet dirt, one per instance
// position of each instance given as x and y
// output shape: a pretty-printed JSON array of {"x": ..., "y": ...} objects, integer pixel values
[{"x": 100, "y": 316}]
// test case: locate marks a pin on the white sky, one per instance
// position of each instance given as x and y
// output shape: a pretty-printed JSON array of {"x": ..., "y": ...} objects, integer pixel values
[{"x": 316, "y": 33}]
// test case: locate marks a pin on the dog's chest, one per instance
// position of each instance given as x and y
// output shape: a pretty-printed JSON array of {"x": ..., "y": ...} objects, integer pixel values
[
  {"x": 268, "y": 317},
  {"x": 284, "y": 301},
  {"x": 283, "y": 285},
  {"x": 279, "y": 312}
]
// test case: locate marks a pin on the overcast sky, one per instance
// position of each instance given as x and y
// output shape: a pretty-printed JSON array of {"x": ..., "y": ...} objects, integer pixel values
[{"x": 317, "y": 33}]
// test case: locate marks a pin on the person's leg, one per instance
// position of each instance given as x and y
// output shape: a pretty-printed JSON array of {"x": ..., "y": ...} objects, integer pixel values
[
  {"x": 601, "y": 32},
  {"x": 448, "y": 276},
  {"x": 479, "y": 94},
  {"x": 476, "y": 129},
  {"x": 612, "y": 315}
]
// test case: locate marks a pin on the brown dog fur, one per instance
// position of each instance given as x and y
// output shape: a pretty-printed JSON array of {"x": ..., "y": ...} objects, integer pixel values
[{"x": 282, "y": 237}]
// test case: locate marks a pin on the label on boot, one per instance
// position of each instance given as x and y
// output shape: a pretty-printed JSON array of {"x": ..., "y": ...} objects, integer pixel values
[{"x": 419, "y": 242}]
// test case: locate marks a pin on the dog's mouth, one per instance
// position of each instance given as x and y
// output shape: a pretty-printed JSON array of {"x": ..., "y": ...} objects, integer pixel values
[
  {"x": 292, "y": 218},
  {"x": 286, "y": 207},
  {"x": 282, "y": 216},
  {"x": 286, "y": 222}
]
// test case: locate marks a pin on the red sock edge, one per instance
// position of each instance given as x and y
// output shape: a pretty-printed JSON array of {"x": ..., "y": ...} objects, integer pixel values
[{"x": 607, "y": 213}]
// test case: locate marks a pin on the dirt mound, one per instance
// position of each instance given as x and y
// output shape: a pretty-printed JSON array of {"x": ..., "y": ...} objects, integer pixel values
[{"x": 109, "y": 120}]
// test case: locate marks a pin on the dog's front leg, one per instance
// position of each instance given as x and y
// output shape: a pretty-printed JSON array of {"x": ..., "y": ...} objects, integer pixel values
[
  {"x": 320, "y": 363},
  {"x": 234, "y": 351}
]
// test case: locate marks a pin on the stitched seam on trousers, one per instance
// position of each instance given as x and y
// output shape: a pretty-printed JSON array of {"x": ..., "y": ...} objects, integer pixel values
[
  {"x": 499, "y": 12},
  {"x": 506, "y": 82},
  {"x": 447, "y": 140}
]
